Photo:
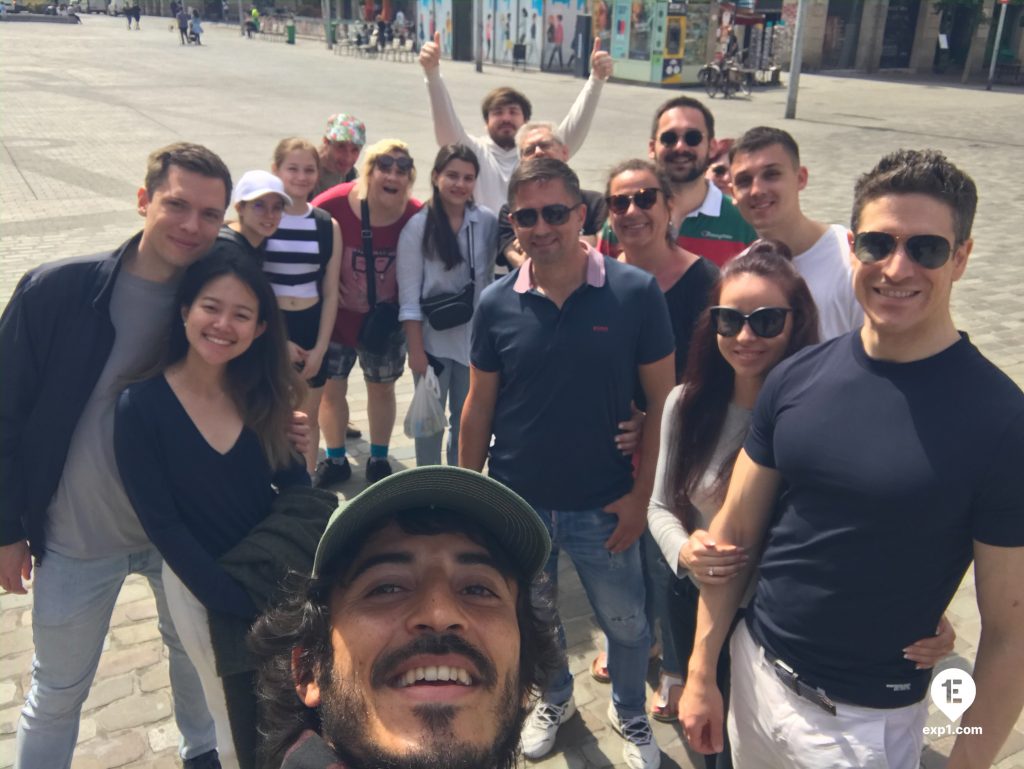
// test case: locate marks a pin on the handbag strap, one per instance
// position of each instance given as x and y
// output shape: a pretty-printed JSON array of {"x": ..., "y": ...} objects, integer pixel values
[
  {"x": 371, "y": 262},
  {"x": 472, "y": 266}
]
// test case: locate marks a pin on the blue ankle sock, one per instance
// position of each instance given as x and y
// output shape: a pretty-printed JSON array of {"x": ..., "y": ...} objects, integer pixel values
[
  {"x": 338, "y": 454},
  {"x": 378, "y": 452}
]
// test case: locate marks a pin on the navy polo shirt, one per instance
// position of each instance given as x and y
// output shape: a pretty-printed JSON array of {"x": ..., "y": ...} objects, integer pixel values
[
  {"x": 567, "y": 378},
  {"x": 892, "y": 471}
]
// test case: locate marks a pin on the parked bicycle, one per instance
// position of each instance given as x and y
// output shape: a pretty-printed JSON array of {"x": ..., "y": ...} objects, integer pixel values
[{"x": 726, "y": 77}]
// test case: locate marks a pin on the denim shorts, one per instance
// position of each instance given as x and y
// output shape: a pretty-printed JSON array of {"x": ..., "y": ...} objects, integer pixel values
[{"x": 380, "y": 369}]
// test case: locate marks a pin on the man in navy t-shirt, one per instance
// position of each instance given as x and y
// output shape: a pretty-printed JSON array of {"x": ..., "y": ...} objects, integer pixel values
[
  {"x": 557, "y": 348},
  {"x": 896, "y": 450}
]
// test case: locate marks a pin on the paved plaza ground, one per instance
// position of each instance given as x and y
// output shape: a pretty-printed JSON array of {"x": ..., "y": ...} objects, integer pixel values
[{"x": 82, "y": 106}]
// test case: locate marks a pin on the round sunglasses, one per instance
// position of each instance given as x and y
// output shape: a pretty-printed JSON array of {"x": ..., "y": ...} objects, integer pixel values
[
  {"x": 554, "y": 215},
  {"x": 929, "y": 251},
  {"x": 690, "y": 137},
  {"x": 720, "y": 170},
  {"x": 765, "y": 322},
  {"x": 644, "y": 199},
  {"x": 402, "y": 164}
]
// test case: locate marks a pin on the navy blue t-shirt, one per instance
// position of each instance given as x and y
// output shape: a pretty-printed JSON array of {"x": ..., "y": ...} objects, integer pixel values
[
  {"x": 566, "y": 381},
  {"x": 891, "y": 471}
]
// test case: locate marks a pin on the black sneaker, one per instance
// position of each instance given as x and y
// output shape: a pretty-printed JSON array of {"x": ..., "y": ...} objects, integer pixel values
[
  {"x": 329, "y": 472},
  {"x": 208, "y": 760},
  {"x": 351, "y": 431},
  {"x": 377, "y": 468}
]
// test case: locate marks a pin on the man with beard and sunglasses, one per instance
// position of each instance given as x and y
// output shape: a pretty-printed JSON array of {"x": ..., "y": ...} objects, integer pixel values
[
  {"x": 558, "y": 348},
  {"x": 767, "y": 180},
  {"x": 504, "y": 111},
  {"x": 896, "y": 450},
  {"x": 414, "y": 644},
  {"x": 706, "y": 221}
]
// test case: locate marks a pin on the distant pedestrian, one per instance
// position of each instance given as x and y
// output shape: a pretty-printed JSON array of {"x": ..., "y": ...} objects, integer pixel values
[
  {"x": 137, "y": 13},
  {"x": 195, "y": 28},
  {"x": 182, "y": 17}
]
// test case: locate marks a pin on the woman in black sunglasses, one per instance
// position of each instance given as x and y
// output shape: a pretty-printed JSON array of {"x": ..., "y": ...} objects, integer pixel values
[
  {"x": 761, "y": 313},
  {"x": 639, "y": 198}
]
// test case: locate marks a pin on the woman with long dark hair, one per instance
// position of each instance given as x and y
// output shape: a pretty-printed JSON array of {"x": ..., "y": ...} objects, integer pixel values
[
  {"x": 446, "y": 250},
  {"x": 761, "y": 313},
  {"x": 202, "y": 443}
]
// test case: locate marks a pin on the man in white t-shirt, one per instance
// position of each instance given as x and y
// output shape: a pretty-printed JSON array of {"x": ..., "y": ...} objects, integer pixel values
[
  {"x": 767, "y": 179},
  {"x": 504, "y": 111}
]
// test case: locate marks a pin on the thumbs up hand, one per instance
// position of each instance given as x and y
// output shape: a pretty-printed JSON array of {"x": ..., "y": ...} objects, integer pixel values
[
  {"x": 430, "y": 54},
  {"x": 601, "y": 63}
]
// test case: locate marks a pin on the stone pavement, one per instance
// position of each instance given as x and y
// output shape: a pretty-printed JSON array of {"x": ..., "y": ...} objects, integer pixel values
[{"x": 83, "y": 105}]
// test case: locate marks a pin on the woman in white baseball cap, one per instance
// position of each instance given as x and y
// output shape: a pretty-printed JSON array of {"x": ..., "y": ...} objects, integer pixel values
[{"x": 259, "y": 200}]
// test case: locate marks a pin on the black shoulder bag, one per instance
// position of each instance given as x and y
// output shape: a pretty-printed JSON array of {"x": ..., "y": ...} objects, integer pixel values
[
  {"x": 381, "y": 322},
  {"x": 445, "y": 311}
]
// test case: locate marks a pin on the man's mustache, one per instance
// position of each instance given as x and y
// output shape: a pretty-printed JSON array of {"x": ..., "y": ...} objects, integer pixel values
[{"x": 383, "y": 669}]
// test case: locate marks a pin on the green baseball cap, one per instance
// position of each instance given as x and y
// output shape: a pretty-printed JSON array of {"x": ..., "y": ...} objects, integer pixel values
[{"x": 489, "y": 504}]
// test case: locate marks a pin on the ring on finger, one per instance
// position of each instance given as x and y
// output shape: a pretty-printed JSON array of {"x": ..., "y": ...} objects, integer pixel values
[{"x": 711, "y": 571}]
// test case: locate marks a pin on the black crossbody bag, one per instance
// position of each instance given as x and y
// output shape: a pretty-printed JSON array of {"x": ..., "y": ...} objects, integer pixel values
[
  {"x": 381, "y": 322},
  {"x": 445, "y": 311}
]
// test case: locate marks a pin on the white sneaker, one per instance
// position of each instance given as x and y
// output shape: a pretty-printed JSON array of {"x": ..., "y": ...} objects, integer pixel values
[
  {"x": 640, "y": 751},
  {"x": 541, "y": 727}
]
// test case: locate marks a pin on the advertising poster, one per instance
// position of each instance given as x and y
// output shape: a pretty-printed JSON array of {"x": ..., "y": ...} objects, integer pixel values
[
  {"x": 559, "y": 46},
  {"x": 620, "y": 29},
  {"x": 640, "y": 22},
  {"x": 425, "y": 21},
  {"x": 503, "y": 39},
  {"x": 601, "y": 12}
]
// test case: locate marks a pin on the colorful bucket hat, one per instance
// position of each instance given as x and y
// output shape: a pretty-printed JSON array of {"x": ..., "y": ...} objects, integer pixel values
[{"x": 345, "y": 128}]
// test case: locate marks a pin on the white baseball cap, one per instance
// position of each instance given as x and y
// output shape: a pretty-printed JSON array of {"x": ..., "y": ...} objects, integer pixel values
[{"x": 256, "y": 184}]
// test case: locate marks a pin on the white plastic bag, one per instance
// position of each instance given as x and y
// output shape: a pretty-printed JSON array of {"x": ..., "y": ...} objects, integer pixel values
[{"x": 426, "y": 413}]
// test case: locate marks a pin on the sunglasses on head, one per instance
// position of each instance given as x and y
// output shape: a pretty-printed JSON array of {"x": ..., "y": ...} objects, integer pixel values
[
  {"x": 644, "y": 199},
  {"x": 765, "y": 322},
  {"x": 720, "y": 170},
  {"x": 554, "y": 214},
  {"x": 402, "y": 163},
  {"x": 690, "y": 137},
  {"x": 929, "y": 251}
]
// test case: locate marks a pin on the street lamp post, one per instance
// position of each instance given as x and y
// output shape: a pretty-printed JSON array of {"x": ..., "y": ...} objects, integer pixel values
[{"x": 797, "y": 60}]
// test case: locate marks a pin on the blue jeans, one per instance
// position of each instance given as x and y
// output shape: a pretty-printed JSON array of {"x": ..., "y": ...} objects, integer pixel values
[
  {"x": 454, "y": 381},
  {"x": 71, "y": 611},
  {"x": 614, "y": 584}
]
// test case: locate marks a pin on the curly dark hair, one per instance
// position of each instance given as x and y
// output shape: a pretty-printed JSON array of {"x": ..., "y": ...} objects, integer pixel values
[{"x": 292, "y": 641}]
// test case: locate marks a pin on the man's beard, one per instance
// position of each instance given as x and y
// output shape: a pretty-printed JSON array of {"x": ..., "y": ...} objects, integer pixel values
[
  {"x": 344, "y": 716},
  {"x": 681, "y": 177}
]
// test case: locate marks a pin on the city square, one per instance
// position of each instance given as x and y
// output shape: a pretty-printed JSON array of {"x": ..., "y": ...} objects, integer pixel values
[{"x": 83, "y": 105}]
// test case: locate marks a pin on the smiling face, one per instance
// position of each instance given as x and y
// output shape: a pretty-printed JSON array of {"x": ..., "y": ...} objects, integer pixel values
[
  {"x": 682, "y": 162},
  {"x": 456, "y": 182},
  {"x": 298, "y": 172},
  {"x": 503, "y": 120},
  {"x": 766, "y": 184},
  {"x": 183, "y": 216},
  {"x": 339, "y": 157},
  {"x": 389, "y": 189},
  {"x": 750, "y": 356},
  {"x": 223, "y": 321},
  {"x": 904, "y": 303},
  {"x": 425, "y": 643},
  {"x": 261, "y": 217},
  {"x": 548, "y": 243},
  {"x": 637, "y": 228}
]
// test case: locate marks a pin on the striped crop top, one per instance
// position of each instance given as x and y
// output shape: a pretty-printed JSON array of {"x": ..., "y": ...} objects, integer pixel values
[{"x": 296, "y": 255}]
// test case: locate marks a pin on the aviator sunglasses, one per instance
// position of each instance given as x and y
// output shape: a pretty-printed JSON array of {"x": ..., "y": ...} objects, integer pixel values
[
  {"x": 929, "y": 251},
  {"x": 765, "y": 322},
  {"x": 690, "y": 137},
  {"x": 554, "y": 215},
  {"x": 386, "y": 162},
  {"x": 644, "y": 199}
]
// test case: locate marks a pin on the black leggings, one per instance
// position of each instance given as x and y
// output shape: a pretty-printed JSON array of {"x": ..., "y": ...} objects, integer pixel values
[{"x": 682, "y": 614}]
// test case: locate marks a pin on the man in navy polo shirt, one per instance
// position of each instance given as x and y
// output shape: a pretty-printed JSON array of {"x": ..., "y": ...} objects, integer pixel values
[
  {"x": 558, "y": 346},
  {"x": 898, "y": 446}
]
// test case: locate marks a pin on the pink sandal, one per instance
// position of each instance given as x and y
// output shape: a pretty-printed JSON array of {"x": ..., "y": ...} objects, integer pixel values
[{"x": 666, "y": 707}]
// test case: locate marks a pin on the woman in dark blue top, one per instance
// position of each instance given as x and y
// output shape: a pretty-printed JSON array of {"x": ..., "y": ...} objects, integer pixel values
[{"x": 201, "y": 445}]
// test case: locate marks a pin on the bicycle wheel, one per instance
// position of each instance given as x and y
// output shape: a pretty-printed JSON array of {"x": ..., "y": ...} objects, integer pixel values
[{"x": 711, "y": 81}]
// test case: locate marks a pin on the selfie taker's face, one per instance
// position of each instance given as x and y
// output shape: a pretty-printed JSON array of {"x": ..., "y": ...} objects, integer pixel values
[{"x": 426, "y": 653}]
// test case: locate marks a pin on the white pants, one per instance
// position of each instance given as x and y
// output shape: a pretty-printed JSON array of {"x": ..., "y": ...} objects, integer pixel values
[
  {"x": 191, "y": 620},
  {"x": 772, "y": 728}
]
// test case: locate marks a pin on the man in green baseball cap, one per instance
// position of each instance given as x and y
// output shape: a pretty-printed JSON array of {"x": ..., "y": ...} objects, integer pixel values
[{"x": 414, "y": 644}]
